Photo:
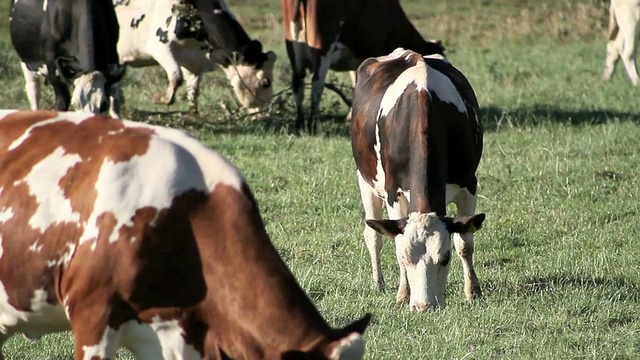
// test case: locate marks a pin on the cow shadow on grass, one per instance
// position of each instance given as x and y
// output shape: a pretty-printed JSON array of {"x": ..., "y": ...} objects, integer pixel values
[
  {"x": 495, "y": 118},
  {"x": 334, "y": 124}
]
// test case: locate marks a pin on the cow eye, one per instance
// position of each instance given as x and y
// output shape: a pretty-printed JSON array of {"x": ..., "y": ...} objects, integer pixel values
[{"x": 445, "y": 259}]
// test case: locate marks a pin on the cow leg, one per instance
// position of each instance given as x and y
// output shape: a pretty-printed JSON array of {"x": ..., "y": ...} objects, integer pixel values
[
  {"x": 398, "y": 211},
  {"x": 464, "y": 243},
  {"x": 372, "y": 204},
  {"x": 629, "y": 50},
  {"x": 93, "y": 337},
  {"x": 295, "y": 52},
  {"x": 317, "y": 87},
  {"x": 115, "y": 100},
  {"x": 170, "y": 65},
  {"x": 612, "y": 57},
  {"x": 32, "y": 86},
  {"x": 193, "y": 89}
]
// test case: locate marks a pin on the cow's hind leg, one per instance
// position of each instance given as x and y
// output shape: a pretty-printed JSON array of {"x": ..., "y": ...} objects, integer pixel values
[
  {"x": 464, "y": 243},
  {"x": 372, "y": 211},
  {"x": 613, "y": 54},
  {"x": 165, "y": 58}
]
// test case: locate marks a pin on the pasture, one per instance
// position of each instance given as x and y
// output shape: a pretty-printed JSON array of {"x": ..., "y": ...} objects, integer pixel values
[{"x": 558, "y": 255}]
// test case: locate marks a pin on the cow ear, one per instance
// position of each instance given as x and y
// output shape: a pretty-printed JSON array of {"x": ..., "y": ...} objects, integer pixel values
[
  {"x": 464, "y": 224},
  {"x": 390, "y": 228},
  {"x": 365, "y": 69},
  {"x": 67, "y": 67},
  {"x": 358, "y": 326}
]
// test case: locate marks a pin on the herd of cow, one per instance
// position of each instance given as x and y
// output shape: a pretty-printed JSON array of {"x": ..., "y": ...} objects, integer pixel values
[{"x": 181, "y": 267}]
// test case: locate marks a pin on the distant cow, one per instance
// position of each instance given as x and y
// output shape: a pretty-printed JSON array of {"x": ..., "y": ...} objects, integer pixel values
[
  {"x": 140, "y": 236},
  {"x": 171, "y": 33},
  {"x": 68, "y": 43},
  {"x": 624, "y": 28},
  {"x": 337, "y": 34},
  {"x": 417, "y": 142}
]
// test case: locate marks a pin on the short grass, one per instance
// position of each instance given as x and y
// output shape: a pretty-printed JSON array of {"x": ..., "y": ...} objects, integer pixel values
[{"x": 558, "y": 255}]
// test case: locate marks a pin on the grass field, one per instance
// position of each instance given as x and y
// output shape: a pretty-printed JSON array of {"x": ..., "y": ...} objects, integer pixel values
[{"x": 558, "y": 256}]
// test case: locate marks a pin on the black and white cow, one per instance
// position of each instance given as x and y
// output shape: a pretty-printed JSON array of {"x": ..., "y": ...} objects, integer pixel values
[
  {"x": 69, "y": 42},
  {"x": 179, "y": 35},
  {"x": 417, "y": 142}
]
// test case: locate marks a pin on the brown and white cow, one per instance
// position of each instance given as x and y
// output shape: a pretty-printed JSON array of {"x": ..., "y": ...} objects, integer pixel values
[
  {"x": 417, "y": 142},
  {"x": 140, "y": 236},
  {"x": 172, "y": 34},
  {"x": 624, "y": 28},
  {"x": 338, "y": 34}
]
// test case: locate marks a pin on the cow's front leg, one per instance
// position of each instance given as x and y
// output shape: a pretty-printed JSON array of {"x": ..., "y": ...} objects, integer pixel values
[
  {"x": 164, "y": 57},
  {"x": 398, "y": 211},
  {"x": 295, "y": 52},
  {"x": 464, "y": 243},
  {"x": 317, "y": 87},
  {"x": 31, "y": 86},
  {"x": 115, "y": 100},
  {"x": 372, "y": 211},
  {"x": 93, "y": 337}
]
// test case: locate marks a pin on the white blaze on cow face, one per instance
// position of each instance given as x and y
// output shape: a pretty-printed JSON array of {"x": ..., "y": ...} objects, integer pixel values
[
  {"x": 89, "y": 92},
  {"x": 425, "y": 250},
  {"x": 253, "y": 87},
  {"x": 43, "y": 181}
]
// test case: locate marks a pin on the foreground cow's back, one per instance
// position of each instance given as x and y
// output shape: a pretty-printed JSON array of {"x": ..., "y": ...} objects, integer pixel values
[
  {"x": 417, "y": 142},
  {"x": 140, "y": 236}
]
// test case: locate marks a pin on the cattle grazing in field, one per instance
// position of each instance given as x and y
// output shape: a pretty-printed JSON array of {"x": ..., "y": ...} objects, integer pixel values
[
  {"x": 335, "y": 34},
  {"x": 624, "y": 28},
  {"x": 172, "y": 33},
  {"x": 140, "y": 236},
  {"x": 417, "y": 142},
  {"x": 69, "y": 43}
]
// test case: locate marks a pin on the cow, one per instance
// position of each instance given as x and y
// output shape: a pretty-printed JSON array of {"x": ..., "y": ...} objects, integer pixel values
[
  {"x": 171, "y": 33},
  {"x": 335, "y": 34},
  {"x": 168, "y": 258},
  {"x": 417, "y": 142},
  {"x": 68, "y": 43},
  {"x": 624, "y": 27}
]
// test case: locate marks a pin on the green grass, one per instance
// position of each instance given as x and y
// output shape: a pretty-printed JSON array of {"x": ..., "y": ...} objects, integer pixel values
[{"x": 558, "y": 255}]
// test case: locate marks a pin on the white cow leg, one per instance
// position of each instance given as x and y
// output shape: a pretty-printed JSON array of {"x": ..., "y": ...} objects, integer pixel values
[
  {"x": 464, "y": 245},
  {"x": 372, "y": 211},
  {"x": 626, "y": 41},
  {"x": 192, "y": 82},
  {"x": 398, "y": 211},
  {"x": 115, "y": 100},
  {"x": 32, "y": 86},
  {"x": 171, "y": 67},
  {"x": 610, "y": 63}
]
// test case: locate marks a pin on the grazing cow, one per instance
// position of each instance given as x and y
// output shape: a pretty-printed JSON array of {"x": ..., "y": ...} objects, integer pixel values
[
  {"x": 168, "y": 258},
  {"x": 67, "y": 43},
  {"x": 417, "y": 142},
  {"x": 335, "y": 34},
  {"x": 171, "y": 33},
  {"x": 624, "y": 28}
]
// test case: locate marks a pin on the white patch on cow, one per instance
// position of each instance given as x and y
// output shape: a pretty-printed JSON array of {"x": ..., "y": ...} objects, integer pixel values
[
  {"x": 43, "y": 181},
  {"x": 9, "y": 316},
  {"x": 143, "y": 181},
  {"x": 65, "y": 258},
  {"x": 171, "y": 337},
  {"x": 44, "y": 5},
  {"x": 35, "y": 247},
  {"x": 105, "y": 349},
  {"x": 89, "y": 92},
  {"x": 440, "y": 85},
  {"x": 349, "y": 348},
  {"x": 76, "y": 117},
  {"x": 416, "y": 74},
  {"x": 6, "y": 214}
]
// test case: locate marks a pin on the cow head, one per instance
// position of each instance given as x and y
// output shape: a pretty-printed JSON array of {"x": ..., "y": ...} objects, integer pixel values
[
  {"x": 89, "y": 92},
  {"x": 423, "y": 249},
  {"x": 252, "y": 82}
]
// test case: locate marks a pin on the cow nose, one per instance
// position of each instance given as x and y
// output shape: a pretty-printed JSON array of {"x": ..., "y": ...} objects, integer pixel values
[
  {"x": 265, "y": 83},
  {"x": 419, "y": 307}
]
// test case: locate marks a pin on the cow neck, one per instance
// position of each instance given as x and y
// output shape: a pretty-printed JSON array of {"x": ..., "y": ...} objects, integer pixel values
[
  {"x": 427, "y": 167},
  {"x": 254, "y": 307}
]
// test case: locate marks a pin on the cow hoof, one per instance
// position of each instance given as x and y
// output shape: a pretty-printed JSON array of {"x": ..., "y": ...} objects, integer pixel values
[
  {"x": 402, "y": 297},
  {"x": 161, "y": 99},
  {"x": 473, "y": 292}
]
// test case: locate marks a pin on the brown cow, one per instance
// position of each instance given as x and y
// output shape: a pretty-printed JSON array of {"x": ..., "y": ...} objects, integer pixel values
[
  {"x": 417, "y": 142},
  {"x": 339, "y": 34},
  {"x": 140, "y": 236}
]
